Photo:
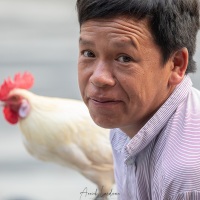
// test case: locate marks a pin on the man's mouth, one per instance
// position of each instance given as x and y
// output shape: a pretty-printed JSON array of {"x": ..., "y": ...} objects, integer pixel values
[{"x": 104, "y": 100}]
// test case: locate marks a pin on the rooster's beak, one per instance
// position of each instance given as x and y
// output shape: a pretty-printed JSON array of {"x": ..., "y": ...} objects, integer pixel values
[{"x": 2, "y": 104}]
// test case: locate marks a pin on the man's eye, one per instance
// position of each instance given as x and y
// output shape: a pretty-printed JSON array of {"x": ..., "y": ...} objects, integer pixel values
[
  {"x": 88, "y": 54},
  {"x": 124, "y": 59}
]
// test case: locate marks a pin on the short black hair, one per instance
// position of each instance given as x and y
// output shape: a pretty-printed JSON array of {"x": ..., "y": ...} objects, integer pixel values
[{"x": 174, "y": 23}]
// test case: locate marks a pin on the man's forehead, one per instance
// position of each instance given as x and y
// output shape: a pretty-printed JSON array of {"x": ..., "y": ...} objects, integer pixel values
[
  {"x": 117, "y": 31},
  {"x": 116, "y": 25},
  {"x": 121, "y": 19}
]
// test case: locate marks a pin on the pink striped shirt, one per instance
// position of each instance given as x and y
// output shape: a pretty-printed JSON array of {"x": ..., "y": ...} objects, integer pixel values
[{"x": 162, "y": 161}]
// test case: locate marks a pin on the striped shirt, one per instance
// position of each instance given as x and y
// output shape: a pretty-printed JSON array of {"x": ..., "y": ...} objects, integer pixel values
[{"x": 162, "y": 161}]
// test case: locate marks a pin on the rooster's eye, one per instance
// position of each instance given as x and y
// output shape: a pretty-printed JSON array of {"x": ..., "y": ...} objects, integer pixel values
[{"x": 14, "y": 98}]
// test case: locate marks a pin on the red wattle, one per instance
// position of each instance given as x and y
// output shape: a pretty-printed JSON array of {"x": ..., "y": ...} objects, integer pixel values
[{"x": 10, "y": 116}]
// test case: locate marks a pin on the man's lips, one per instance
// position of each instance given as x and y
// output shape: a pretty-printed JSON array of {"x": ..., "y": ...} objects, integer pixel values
[{"x": 104, "y": 100}]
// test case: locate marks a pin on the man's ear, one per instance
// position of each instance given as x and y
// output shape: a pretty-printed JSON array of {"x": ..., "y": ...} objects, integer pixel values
[{"x": 179, "y": 65}]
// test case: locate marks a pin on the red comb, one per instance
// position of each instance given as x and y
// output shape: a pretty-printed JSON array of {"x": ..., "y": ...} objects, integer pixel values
[{"x": 23, "y": 81}]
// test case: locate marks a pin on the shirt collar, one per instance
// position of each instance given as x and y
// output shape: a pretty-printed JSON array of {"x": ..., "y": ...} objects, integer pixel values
[{"x": 153, "y": 127}]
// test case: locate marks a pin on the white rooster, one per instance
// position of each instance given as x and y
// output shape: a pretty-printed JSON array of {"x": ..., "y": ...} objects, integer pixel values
[{"x": 59, "y": 130}]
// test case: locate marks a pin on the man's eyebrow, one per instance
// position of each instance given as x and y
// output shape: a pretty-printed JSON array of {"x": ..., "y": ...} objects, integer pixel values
[
  {"x": 86, "y": 42},
  {"x": 124, "y": 43},
  {"x": 117, "y": 44}
]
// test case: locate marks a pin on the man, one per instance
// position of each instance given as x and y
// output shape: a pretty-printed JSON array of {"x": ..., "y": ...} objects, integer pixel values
[{"x": 133, "y": 64}]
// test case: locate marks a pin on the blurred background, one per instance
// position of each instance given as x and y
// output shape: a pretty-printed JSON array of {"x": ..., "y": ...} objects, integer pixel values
[{"x": 41, "y": 36}]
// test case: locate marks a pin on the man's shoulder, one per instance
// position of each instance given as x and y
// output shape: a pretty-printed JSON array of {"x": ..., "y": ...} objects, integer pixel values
[
  {"x": 194, "y": 98},
  {"x": 180, "y": 142},
  {"x": 178, "y": 157},
  {"x": 183, "y": 129},
  {"x": 189, "y": 110}
]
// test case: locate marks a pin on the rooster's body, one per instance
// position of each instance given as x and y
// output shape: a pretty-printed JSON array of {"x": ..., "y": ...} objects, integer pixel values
[{"x": 62, "y": 131}]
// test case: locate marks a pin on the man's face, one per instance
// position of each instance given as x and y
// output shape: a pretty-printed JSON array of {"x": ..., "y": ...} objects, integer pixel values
[{"x": 121, "y": 74}]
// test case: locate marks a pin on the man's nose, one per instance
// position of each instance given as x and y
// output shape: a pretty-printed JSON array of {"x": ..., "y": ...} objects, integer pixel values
[{"x": 103, "y": 76}]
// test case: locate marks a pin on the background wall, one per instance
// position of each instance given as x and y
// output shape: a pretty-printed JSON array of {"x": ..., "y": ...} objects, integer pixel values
[{"x": 41, "y": 36}]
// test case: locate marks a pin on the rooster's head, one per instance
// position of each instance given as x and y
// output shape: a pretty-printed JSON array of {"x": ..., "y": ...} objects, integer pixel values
[{"x": 15, "y": 106}]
